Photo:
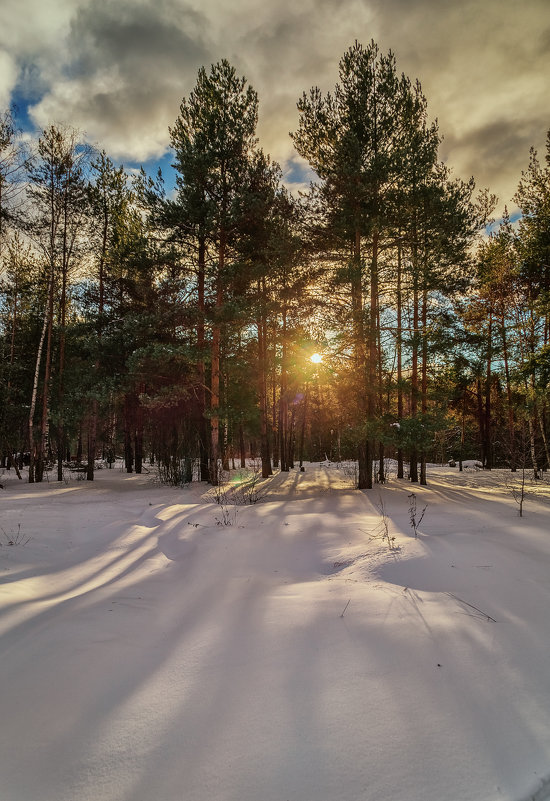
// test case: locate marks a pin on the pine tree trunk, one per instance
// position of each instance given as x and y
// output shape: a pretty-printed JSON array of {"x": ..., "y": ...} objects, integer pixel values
[
  {"x": 215, "y": 370},
  {"x": 138, "y": 429},
  {"x": 63, "y": 320},
  {"x": 274, "y": 416},
  {"x": 488, "y": 463},
  {"x": 128, "y": 425},
  {"x": 93, "y": 419},
  {"x": 214, "y": 405},
  {"x": 283, "y": 400},
  {"x": 544, "y": 440},
  {"x": 290, "y": 445},
  {"x": 481, "y": 419},
  {"x": 35, "y": 384},
  {"x": 381, "y": 467},
  {"x": 400, "y": 471},
  {"x": 60, "y": 451},
  {"x": 462, "y": 432},
  {"x": 532, "y": 447},
  {"x": 91, "y": 442},
  {"x": 364, "y": 454},
  {"x": 39, "y": 471},
  {"x": 511, "y": 422},
  {"x": 381, "y": 449},
  {"x": 242, "y": 450},
  {"x": 187, "y": 469},
  {"x": 79, "y": 445},
  {"x": 373, "y": 355},
  {"x": 364, "y": 478},
  {"x": 201, "y": 341},
  {"x": 424, "y": 383},
  {"x": 224, "y": 445},
  {"x": 413, "y": 468},
  {"x": 262, "y": 386},
  {"x": 303, "y": 426}
]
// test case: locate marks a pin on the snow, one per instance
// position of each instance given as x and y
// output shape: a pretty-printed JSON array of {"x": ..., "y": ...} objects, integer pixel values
[{"x": 151, "y": 652}]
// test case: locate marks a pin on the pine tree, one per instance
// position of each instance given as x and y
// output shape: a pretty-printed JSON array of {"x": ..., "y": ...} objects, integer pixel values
[
  {"x": 350, "y": 139},
  {"x": 213, "y": 138},
  {"x": 533, "y": 322},
  {"x": 18, "y": 297}
]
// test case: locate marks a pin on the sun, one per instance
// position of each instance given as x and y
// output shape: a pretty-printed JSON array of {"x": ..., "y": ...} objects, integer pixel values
[{"x": 316, "y": 358}]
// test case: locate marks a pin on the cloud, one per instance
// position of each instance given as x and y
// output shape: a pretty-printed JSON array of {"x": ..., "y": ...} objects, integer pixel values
[
  {"x": 128, "y": 65},
  {"x": 33, "y": 33},
  {"x": 8, "y": 78},
  {"x": 118, "y": 69},
  {"x": 485, "y": 71}
]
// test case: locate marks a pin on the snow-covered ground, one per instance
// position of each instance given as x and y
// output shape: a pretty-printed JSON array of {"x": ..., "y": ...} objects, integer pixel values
[{"x": 149, "y": 652}]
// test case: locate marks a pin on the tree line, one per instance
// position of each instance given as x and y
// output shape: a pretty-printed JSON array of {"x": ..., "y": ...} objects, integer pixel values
[{"x": 178, "y": 325}]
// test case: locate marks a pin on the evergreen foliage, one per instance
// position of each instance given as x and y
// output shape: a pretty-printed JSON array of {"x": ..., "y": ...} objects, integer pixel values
[{"x": 178, "y": 329}]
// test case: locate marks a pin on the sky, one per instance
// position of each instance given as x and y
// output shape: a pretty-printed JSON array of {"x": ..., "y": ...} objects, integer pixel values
[{"x": 118, "y": 70}]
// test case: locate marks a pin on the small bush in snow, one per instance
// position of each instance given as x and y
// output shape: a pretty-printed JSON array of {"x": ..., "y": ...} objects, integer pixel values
[
  {"x": 227, "y": 512},
  {"x": 251, "y": 490},
  {"x": 382, "y": 530},
  {"x": 15, "y": 538},
  {"x": 414, "y": 520}
]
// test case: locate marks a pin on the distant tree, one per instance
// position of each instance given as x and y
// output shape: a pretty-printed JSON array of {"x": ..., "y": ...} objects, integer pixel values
[
  {"x": 56, "y": 225},
  {"x": 533, "y": 249},
  {"x": 19, "y": 294},
  {"x": 497, "y": 285}
]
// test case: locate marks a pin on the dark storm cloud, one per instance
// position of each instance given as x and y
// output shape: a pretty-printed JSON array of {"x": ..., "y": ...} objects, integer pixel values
[
  {"x": 490, "y": 153},
  {"x": 143, "y": 41}
]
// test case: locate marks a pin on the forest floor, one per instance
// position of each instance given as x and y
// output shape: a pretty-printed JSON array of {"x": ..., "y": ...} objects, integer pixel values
[{"x": 157, "y": 644}]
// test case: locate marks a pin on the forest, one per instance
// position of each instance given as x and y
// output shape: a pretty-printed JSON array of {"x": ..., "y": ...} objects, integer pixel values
[{"x": 178, "y": 326}]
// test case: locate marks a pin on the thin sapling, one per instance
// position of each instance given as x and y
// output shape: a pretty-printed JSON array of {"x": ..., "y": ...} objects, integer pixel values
[{"x": 414, "y": 520}]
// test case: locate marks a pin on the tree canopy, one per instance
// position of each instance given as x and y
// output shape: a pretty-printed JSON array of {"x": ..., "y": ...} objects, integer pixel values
[{"x": 179, "y": 327}]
